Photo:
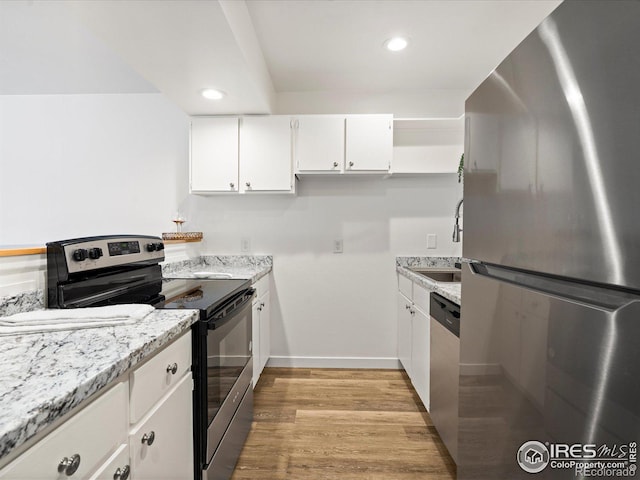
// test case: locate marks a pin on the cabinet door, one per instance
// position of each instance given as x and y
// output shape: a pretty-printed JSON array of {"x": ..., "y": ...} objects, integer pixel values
[
  {"x": 265, "y": 154},
  {"x": 214, "y": 155},
  {"x": 265, "y": 330},
  {"x": 319, "y": 143},
  {"x": 420, "y": 347},
  {"x": 369, "y": 143},
  {"x": 116, "y": 467},
  {"x": 255, "y": 340},
  {"x": 404, "y": 332},
  {"x": 170, "y": 454}
]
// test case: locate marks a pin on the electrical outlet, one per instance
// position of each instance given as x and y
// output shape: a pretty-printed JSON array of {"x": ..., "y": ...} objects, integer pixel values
[
  {"x": 337, "y": 245},
  {"x": 432, "y": 240},
  {"x": 245, "y": 245}
]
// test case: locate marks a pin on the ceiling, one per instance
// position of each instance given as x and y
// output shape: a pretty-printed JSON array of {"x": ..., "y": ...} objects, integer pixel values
[{"x": 256, "y": 50}]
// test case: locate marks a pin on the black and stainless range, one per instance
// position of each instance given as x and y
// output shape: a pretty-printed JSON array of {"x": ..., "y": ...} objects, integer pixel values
[{"x": 109, "y": 270}]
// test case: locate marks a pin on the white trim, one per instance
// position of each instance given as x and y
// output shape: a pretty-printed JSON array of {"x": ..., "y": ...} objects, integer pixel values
[{"x": 335, "y": 362}]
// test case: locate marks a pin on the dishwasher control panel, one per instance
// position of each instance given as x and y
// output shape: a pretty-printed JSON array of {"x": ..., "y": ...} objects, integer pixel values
[{"x": 446, "y": 313}]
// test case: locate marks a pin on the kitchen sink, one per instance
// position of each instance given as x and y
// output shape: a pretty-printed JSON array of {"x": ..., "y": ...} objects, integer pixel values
[{"x": 446, "y": 275}]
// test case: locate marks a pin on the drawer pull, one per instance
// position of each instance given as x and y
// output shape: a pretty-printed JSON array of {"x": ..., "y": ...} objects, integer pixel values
[
  {"x": 149, "y": 438},
  {"x": 122, "y": 473},
  {"x": 172, "y": 368},
  {"x": 69, "y": 465},
  {"x": 335, "y": 164}
]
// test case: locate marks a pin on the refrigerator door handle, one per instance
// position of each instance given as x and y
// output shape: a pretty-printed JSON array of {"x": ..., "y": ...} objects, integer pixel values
[{"x": 603, "y": 297}]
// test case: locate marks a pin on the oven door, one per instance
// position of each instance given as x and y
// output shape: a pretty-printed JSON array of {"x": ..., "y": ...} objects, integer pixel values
[{"x": 229, "y": 369}]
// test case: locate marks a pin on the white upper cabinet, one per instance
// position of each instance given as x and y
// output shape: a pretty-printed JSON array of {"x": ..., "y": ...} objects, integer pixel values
[
  {"x": 266, "y": 163},
  {"x": 319, "y": 143},
  {"x": 214, "y": 154},
  {"x": 369, "y": 143},
  {"x": 427, "y": 145}
]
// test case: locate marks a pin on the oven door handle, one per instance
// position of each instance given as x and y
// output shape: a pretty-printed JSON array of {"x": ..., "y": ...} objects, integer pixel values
[{"x": 228, "y": 311}]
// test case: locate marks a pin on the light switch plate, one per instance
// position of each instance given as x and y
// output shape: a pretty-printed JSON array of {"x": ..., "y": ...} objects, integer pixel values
[
  {"x": 432, "y": 240},
  {"x": 245, "y": 245},
  {"x": 337, "y": 245}
]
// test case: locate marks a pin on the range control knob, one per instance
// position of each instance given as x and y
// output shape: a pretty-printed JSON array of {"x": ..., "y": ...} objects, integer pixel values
[
  {"x": 80, "y": 255},
  {"x": 95, "y": 253},
  {"x": 159, "y": 246},
  {"x": 151, "y": 247}
]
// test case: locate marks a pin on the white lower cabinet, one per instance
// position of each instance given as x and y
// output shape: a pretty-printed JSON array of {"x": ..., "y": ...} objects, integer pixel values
[
  {"x": 103, "y": 441},
  {"x": 161, "y": 445},
  {"x": 261, "y": 327},
  {"x": 420, "y": 360},
  {"x": 265, "y": 329},
  {"x": 414, "y": 336},
  {"x": 79, "y": 446},
  {"x": 255, "y": 341},
  {"x": 404, "y": 332}
]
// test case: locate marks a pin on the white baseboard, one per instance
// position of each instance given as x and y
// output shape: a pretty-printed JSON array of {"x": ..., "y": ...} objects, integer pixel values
[{"x": 334, "y": 362}]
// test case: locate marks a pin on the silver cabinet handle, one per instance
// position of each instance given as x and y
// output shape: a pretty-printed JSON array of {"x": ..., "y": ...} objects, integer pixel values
[
  {"x": 232, "y": 185},
  {"x": 407, "y": 307},
  {"x": 69, "y": 465},
  {"x": 149, "y": 438},
  {"x": 122, "y": 473},
  {"x": 335, "y": 164},
  {"x": 262, "y": 304},
  {"x": 351, "y": 164},
  {"x": 248, "y": 184},
  {"x": 172, "y": 368}
]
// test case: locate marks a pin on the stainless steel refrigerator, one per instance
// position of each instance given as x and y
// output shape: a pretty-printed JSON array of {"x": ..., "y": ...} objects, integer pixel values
[{"x": 550, "y": 328}]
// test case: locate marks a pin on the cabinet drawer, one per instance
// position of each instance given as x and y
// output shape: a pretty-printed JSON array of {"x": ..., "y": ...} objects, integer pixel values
[
  {"x": 421, "y": 298},
  {"x": 405, "y": 286},
  {"x": 156, "y": 377},
  {"x": 170, "y": 454},
  {"x": 93, "y": 434}
]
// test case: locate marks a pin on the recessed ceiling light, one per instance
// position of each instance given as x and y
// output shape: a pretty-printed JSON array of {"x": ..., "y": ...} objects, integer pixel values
[
  {"x": 396, "y": 44},
  {"x": 212, "y": 94}
]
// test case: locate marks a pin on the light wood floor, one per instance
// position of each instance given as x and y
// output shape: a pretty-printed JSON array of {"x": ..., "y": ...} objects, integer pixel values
[{"x": 340, "y": 424}]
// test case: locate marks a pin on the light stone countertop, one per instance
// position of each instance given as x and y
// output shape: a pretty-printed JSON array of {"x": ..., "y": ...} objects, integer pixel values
[
  {"x": 249, "y": 267},
  {"x": 449, "y": 290},
  {"x": 46, "y": 375}
]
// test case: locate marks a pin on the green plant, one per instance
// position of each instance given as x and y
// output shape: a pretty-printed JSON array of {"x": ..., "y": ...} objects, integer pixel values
[{"x": 461, "y": 168}]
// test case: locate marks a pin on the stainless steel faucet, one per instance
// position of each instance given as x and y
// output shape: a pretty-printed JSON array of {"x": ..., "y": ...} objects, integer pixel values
[{"x": 456, "y": 227}]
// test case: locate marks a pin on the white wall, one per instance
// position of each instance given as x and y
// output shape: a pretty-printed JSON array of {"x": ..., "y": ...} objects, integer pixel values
[
  {"x": 335, "y": 309},
  {"x": 426, "y": 103},
  {"x": 77, "y": 165}
]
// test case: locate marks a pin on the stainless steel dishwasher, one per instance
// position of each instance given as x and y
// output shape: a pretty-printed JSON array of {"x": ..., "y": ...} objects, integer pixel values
[{"x": 444, "y": 370}]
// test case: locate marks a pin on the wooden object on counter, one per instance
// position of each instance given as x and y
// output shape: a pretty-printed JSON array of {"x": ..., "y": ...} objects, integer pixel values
[{"x": 14, "y": 252}]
